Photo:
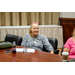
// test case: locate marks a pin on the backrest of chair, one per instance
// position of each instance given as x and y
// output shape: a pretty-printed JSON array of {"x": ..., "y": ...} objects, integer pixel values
[
  {"x": 53, "y": 42},
  {"x": 11, "y": 38}
]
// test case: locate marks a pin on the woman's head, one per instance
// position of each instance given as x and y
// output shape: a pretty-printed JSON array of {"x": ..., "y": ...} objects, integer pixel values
[{"x": 34, "y": 29}]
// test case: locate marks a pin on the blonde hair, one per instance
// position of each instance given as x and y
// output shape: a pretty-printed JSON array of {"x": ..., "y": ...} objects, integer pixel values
[
  {"x": 73, "y": 33},
  {"x": 30, "y": 32}
]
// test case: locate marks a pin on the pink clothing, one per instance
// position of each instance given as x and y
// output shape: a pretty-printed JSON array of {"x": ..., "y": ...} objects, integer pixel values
[{"x": 70, "y": 44}]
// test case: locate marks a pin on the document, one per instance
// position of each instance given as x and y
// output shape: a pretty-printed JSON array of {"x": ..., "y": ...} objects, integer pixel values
[
  {"x": 30, "y": 50},
  {"x": 19, "y": 49},
  {"x": 25, "y": 50}
]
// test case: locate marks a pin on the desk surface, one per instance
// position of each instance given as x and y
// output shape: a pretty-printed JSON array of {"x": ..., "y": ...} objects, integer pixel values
[{"x": 38, "y": 56}]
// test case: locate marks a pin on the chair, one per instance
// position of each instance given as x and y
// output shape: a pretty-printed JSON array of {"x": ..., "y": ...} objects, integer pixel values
[
  {"x": 54, "y": 43},
  {"x": 11, "y": 38}
]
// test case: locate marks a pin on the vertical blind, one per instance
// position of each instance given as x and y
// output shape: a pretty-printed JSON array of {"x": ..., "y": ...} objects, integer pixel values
[{"x": 25, "y": 18}]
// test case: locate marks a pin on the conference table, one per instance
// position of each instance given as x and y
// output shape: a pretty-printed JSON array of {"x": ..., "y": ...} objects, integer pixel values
[{"x": 37, "y": 56}]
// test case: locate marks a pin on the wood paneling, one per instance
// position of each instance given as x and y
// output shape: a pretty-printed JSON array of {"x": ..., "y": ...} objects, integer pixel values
[{"x": 68, "y": 25}]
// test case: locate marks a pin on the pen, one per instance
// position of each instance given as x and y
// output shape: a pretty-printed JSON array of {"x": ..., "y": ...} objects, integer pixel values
[{"x": 26, "y": 50}]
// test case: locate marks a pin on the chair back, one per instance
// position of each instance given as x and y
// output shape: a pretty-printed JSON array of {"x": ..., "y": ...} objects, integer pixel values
[
  {"x": 11, "y": 38},
  {"x": 54, "y": 43}
]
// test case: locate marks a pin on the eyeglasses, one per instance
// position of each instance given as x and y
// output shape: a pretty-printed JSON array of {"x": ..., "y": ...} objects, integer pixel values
[{"x": 35, "y": 22}]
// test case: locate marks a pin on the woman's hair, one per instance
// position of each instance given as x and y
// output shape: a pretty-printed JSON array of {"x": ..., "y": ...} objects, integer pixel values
[
  {"x": 30, "y": 32},
  {"x": 73, "y": 33}
]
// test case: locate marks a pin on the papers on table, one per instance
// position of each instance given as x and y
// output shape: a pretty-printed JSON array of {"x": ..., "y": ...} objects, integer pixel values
[
  {"x": 25, "y": 50},
  {"x": 19, "y": 49},
  {"x": 30, "y": 50}
]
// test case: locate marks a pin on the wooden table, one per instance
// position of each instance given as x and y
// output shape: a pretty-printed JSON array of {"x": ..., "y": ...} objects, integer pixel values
[{"x": 38, "y": 56}]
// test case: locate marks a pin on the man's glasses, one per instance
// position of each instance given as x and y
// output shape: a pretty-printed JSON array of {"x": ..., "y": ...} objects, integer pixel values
[{"x": 35, "y": 22}]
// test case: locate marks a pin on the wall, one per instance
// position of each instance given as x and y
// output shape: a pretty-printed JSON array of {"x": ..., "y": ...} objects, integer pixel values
[
  {"x": 67, "y": 21},
  {"x": 67, "y": 14}
]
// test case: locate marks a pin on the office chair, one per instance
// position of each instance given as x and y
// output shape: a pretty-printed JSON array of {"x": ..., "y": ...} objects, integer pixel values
[
  {"x": 11, "y": 38},
  {"x": 54, "y": 43}
]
